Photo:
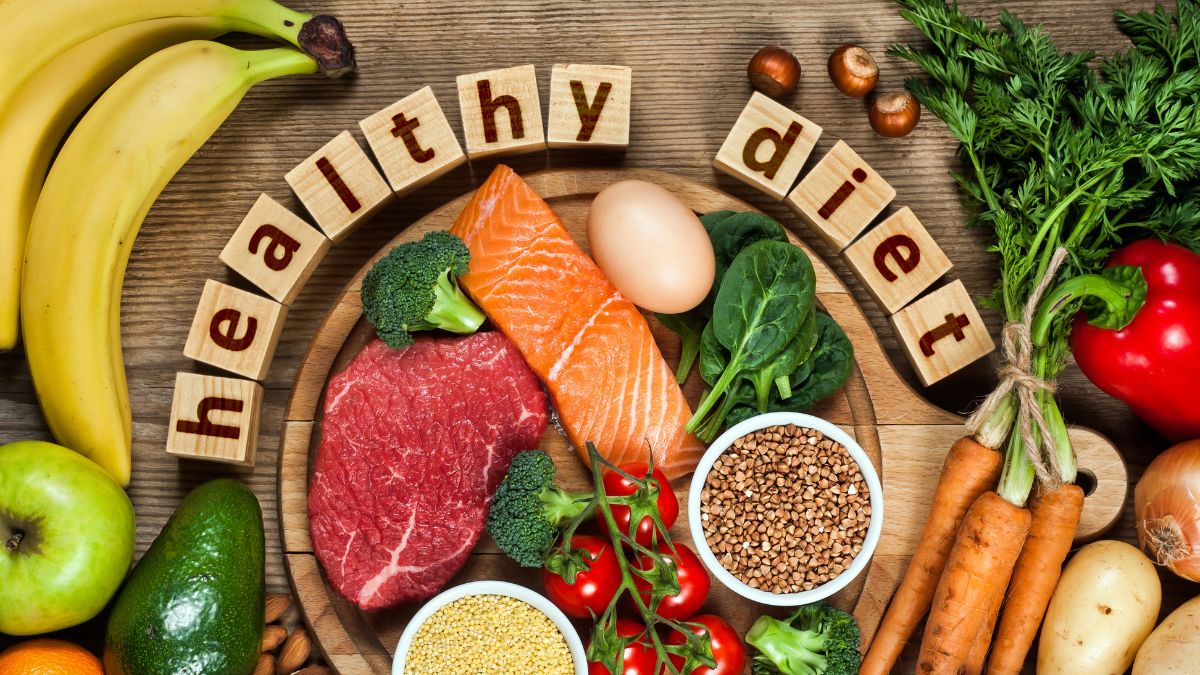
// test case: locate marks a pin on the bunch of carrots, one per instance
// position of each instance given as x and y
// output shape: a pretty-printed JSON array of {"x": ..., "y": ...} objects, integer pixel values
[{"x": 1064, "y": 163}]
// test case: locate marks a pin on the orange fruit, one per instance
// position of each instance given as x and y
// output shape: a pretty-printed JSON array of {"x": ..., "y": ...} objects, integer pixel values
[{"x": 49, "y": 657}]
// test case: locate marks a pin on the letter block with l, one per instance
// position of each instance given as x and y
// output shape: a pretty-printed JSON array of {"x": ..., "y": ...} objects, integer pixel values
[{"x": 767, "y": 146}]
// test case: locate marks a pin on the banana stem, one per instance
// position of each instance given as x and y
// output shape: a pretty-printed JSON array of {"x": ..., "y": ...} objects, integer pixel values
[
  {"x": 266, "y": 64},
  {"x": 321, "y": 37}
]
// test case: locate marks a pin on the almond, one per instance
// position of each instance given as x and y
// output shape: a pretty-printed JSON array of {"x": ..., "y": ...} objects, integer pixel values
[
  {"x": 294, "y": 653},
  {"x": 313, "y": 670},
  {"x": 273, "y": 636},
  {"x": 265, "y": 665},
  {"x": 277, "y": 604}
]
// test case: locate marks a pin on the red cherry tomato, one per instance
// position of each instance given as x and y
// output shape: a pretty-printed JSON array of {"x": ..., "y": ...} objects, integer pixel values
[
  {"x": 639, "y": 657},
  {"x": 694, "y": 582},
  {"x": 594, "y": 588},
  {"x": 616, "y": 485},
  {"x": 727, "y": 647}
]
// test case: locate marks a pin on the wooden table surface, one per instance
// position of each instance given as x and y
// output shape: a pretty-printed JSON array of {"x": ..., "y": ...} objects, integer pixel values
[{"x": 689, "y": 63}]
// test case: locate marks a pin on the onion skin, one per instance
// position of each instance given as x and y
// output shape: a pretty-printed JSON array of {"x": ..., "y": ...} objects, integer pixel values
[{"x": 1166, "y": 503}]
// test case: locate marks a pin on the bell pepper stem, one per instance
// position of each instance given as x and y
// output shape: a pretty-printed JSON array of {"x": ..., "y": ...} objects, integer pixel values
[{"x": 1115, "y": 296}]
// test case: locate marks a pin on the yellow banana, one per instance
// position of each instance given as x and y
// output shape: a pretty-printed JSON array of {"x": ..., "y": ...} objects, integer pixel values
[
  {"x": 104, "y": 180},
  {"x": 49, "y": 102}
]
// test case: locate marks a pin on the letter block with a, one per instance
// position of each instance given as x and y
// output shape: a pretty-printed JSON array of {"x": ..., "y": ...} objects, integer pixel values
[
  {"x": 235, "y": 330},
  {"x": 275, "y": 249},
  {"x": 897, "y": 261},
  {"x": 768, "y": 146},
  {"x": 413, "y": 141},
  {"x": 942, "y": 333},
  {"x": 214, "y": 418},
  {"x": 589, "y": 106},
  {"x": 339, "y": 186},
  {"x": 501, "y": 112},
  {"x": 841, "y": 196}
]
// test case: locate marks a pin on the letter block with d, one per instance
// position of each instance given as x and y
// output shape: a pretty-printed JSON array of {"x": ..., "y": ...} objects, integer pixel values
[
  {"x": 589, "y": 106},
  {"x": 235, "y": 330},
  {"x": 214, "y": 418},
  {"x": 275, "y": 250},
  {"x": 942, "y": 333},
  {"x": 501, "y": 112},
  {"x": 768, "y": 146},
  {"x": 413, "y": 141},
  {"x": 898, "y": 260}
]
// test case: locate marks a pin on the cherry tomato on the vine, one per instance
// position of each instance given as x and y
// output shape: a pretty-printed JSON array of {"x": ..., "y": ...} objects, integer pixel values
[
  {"x": 727, "y": 647},
  {"x": 616, "y": 485},
  {"x": 639, "y": 657},
  {"x": 594, "y": 588},
  {"x": 694, "y": 582}
]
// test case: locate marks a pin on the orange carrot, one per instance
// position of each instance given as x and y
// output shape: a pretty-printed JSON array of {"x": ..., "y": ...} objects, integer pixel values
[
  {"x": 1055, "y": 515},
  {"x": 983, "y": 639},
  {"x": 969, "y": 471},
  {"x": 988, "y": 544}
]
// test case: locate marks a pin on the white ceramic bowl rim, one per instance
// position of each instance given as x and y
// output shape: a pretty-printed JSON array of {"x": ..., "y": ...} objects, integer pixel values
[
  {"x": 537, "y": 600},
  {"x": 831, "y": 431}
]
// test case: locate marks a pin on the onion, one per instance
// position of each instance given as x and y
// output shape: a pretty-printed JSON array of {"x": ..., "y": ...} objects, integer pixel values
[{"x": 1166, "y": 503}]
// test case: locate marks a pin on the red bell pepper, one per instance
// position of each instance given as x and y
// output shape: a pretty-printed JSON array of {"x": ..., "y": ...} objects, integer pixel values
[{"x": 1153, "y": 362}]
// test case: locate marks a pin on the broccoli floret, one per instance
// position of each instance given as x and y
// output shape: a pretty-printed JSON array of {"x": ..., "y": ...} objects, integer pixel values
[
  {"x": 816, "y": 639},
  {"x": 415, "y": 287},
  {"x": 528, "y": 511}
]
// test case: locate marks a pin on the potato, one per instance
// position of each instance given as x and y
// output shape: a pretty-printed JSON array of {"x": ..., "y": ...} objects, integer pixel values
[
  {"x": 1105, "y": 605},
  {"x": 1174, "y": 647}
]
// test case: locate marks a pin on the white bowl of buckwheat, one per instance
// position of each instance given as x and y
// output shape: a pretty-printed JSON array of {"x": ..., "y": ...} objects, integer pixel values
[{"x": 785, "y": 509}]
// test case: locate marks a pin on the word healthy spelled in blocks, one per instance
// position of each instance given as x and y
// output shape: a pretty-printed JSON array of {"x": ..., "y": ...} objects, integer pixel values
[{"x": 214, "y": 418}]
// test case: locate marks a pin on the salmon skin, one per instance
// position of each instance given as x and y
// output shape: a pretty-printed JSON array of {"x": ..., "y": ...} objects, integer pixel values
[{"x": 590, "y": 346}]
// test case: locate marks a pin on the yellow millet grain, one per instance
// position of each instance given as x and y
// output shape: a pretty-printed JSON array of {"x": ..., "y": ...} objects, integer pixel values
[{"x": 488, "y": 635}]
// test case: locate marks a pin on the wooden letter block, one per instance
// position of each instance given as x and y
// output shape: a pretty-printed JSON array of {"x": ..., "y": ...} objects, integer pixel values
[
  {"x": 768, "y": 146},
  {"x": 941, "y": 333},
  {"x": 898, "y": 260},
  {"x": 413, "y": 141},
  {"x": 340, "y": 186},
  {"x": 235, "y": 330},
  {"x": 589, "y": 106},
  {"x": 214, "y": 418},
  {"x": 501, "y": 112},
  {"x": 275, "y": 249},
  {"x": 841, "y": 196}
]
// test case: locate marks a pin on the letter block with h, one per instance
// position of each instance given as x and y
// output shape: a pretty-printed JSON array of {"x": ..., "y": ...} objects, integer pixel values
[
  {"x": 214, "y": 418},
  {"x": 501, "y": 112}
]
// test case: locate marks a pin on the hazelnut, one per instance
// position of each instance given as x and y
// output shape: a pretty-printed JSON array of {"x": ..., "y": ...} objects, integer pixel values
[
  {"x": 853, "y": 70},
  {"x": 895, "y": 115},
  {"x": 774, "y": 71}
]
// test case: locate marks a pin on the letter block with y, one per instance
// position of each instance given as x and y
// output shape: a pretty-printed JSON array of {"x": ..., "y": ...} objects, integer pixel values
[
  {"x": 898, "y": 260},
  {"x": 214, "y": 418},
  {"x": 235, "y": 330},
  {"x": 768, "y": 146},
  {"x": 589, "y": 106},
  {"x": 339, "y": 186},
  {"x": 413, "y": 141},
  {"x": 501, "y": 112},
  {"x": 275, "y": 249},
  {"x": 942, "y": 333}
]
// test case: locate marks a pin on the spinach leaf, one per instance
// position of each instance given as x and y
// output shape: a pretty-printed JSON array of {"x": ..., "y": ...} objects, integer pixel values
[
  {"x": 781, "y": 367},
  {"x": 689, "y": 326},
  {"x": 713, "y": 357}
]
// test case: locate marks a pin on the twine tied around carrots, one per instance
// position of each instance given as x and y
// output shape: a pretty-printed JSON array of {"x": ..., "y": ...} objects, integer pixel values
[{"x": 1016, "y": 376}]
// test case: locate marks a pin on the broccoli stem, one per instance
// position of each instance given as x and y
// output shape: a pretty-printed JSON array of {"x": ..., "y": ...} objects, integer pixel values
[
  {"x": 452, "y": 309},
  {"x": 562, "y": 506}
]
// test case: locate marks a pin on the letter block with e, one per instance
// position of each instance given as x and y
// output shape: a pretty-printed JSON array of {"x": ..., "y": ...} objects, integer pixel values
[
  {"x": 339, "y": 186},
  {"x": 413, "y": 141},
  {"x": 235, "y": 330},
  {"x": 501, "y": 112},
  {"x": 275, "y": 250},
  {"x": 767, "y": 146},
  {"x": 589, "y": 106},
  {"x": 897, "y": 261},
  {"x": 942, "y": 333},
  {"x": 214, "y": 418}
]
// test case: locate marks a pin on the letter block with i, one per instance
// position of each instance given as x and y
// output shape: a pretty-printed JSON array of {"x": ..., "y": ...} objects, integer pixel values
[
  {"x": 339, "y": 186},
  {"x": 589, "y": 106},
  {"x": 235, "y": 330},
  {"x": 841, "y": 196},
  {"x": 501, "y": 112},
  {"x": 897, "y": 261},
  {"x": 768, "y": 146},
  {"x": 275, "y": 249},
  {"x": 214, "y": 418},
  {"x": 942, "y": 333},
  {"x": 413, "y": 141}
]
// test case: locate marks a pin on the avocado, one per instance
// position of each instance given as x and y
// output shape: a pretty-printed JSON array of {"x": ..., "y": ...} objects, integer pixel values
[{"x": 194, "y": 605}]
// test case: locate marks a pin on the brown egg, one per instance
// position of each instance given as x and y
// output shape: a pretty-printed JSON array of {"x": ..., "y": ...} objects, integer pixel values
[{"x": 651, "y": 246}]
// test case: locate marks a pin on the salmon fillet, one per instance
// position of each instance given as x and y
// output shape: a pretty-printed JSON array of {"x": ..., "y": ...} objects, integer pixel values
[{"x": 590, "y": 346}]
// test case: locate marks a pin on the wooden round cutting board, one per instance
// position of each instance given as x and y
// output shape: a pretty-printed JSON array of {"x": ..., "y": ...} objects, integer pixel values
[{"x": 905, "y": 436}]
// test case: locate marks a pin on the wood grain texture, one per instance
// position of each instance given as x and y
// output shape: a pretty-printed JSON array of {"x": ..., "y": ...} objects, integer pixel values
[{"x": 689, "y": 87}]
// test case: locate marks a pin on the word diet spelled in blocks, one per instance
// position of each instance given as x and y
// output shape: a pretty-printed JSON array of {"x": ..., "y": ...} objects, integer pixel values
[
  {"x": 942, "y": 333},
  {"x": 214, "y": 418},
  {"x": 275, "y": 250}
]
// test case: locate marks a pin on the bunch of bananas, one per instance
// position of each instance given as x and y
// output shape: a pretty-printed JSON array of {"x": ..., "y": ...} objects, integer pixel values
[{"x": 66, "y": 230}]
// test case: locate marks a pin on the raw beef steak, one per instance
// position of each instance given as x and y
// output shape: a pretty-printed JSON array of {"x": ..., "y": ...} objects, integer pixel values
[{"x": 413, "y": 444}]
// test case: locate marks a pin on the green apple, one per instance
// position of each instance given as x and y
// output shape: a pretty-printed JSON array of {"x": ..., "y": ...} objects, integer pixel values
[{"x": 66, "y": 538}]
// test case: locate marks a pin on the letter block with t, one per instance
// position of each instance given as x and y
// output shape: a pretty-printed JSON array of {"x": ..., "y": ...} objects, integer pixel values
[
  {"x": 589, "y": 106},
  {"x": 768, "y": 146},
  {"x": 501, "y": 112},
  {"x": 841, "y": 196},
  {"x": 275, "y": 249},
  {"x": 413, "y": 141},
  {"x": 942, "y": 333},
  {"x": 897, "y": 261},
  {"x": 235, "y": 330},
  {"x": 214, "y": 418},
  {"x": 339, "y": 186}
]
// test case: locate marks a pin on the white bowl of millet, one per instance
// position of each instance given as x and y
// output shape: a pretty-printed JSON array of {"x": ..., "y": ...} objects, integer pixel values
[
  {"x": 777, "y": 511},
  {"x": 489, "y": 626}
]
